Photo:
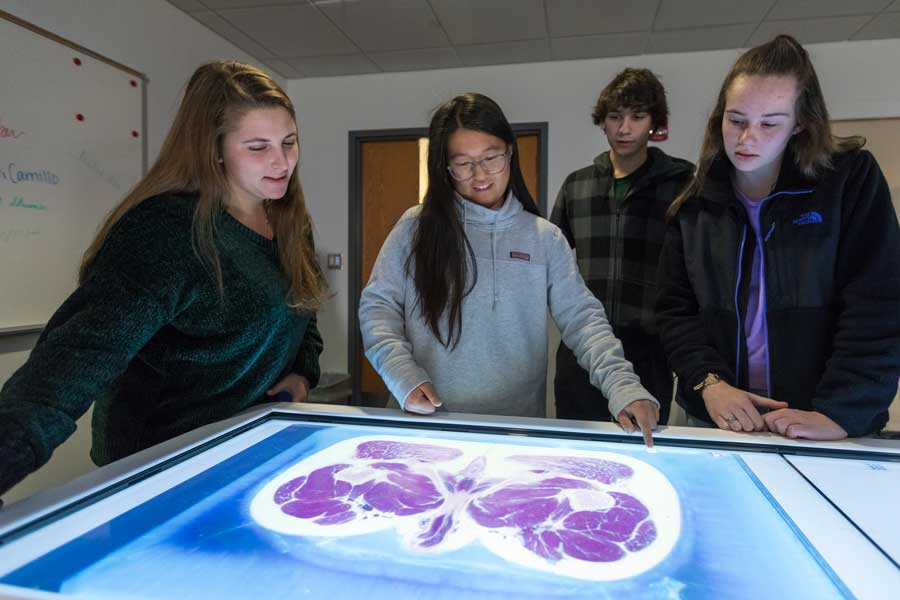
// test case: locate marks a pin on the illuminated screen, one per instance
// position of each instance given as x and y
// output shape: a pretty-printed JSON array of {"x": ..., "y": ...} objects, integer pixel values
[{"x": 348, "y": 511}]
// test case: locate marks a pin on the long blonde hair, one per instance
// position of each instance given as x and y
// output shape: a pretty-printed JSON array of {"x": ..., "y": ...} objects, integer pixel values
[
  {"x": 812, "y": 147},
  {"x": 217, "y": 96}
]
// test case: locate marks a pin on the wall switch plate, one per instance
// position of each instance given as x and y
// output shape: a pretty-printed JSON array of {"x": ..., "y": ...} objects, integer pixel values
[{"x": 335, "y": 261}]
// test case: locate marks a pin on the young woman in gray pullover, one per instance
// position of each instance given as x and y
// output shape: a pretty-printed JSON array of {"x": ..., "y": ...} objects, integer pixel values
[{"x": 455, "y": 312}]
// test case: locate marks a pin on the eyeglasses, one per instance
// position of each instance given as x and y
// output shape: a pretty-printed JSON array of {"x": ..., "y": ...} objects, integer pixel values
[{"x": 490, "y": 165}]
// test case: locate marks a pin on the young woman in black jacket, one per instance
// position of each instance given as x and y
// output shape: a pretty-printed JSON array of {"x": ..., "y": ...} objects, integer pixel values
[{"x": 779, "y": 300}]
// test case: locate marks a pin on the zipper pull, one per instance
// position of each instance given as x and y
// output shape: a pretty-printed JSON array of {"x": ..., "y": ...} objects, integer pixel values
[{"x": 769, "y": 234}]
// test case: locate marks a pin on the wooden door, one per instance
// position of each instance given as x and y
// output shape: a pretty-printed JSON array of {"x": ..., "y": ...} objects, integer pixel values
[
  {"x": 390, "y": 185},
  {"x": 529, "y": 161}
]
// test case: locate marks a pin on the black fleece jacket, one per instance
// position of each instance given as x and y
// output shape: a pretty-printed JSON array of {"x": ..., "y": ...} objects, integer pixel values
[{"x": 831, "y": 258}]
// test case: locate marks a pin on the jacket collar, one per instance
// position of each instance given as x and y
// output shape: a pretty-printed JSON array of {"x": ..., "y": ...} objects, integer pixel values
[
  {"x": 475, "y": 213},
  {"x": 661, "y": 165}
]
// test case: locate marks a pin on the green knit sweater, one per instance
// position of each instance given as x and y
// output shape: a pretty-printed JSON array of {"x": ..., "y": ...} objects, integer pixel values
[{"x": 149, "y": 338}]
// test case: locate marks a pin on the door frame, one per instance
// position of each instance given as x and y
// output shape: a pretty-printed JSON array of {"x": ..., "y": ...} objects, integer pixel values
[{"x": 354, "y": 233}]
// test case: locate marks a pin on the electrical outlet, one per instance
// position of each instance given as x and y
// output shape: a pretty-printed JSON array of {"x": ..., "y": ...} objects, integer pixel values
[{"x": 335, "y": 261}]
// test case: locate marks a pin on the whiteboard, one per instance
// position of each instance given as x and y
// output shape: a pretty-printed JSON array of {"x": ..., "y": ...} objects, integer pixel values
[{"x": 71, "y": 146}]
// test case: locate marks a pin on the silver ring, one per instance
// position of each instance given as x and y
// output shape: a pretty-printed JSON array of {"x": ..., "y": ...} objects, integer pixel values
[{"x": 731, "y": 419}]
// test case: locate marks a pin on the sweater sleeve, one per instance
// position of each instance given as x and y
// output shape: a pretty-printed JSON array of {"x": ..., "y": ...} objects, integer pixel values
[
  {"x": 86, "y": 346},
  {"x": 860, "y": 377},
  {"x": 307, "y": 361},
  {"x": 585, "y": 329},
  {"x": 681, "y": 328},
  {"x": 382, "y": 316}
]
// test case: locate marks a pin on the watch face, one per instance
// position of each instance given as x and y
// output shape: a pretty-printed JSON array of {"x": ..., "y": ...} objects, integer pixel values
[{"x": 710, "y": 379}]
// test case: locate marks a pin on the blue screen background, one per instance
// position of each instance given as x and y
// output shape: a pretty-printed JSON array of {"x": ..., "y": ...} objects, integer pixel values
[{"x": 198, "y": 540}]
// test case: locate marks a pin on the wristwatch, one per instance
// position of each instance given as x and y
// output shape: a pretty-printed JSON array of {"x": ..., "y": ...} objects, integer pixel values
[{"x": 710, "y": 379}]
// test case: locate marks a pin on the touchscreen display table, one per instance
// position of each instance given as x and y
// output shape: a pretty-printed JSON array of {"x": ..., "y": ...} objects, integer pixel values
[{"x": 300, "y": 503}]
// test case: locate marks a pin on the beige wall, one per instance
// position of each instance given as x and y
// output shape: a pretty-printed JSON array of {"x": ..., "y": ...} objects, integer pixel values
[{"x": 853, "y": 77}]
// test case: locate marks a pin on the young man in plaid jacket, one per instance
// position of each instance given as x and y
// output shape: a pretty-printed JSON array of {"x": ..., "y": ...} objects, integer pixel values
[{"x": 613, "y": 214}]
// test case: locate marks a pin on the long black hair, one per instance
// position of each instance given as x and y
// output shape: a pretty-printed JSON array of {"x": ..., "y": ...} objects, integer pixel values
[{"x": 441, "y": 254}]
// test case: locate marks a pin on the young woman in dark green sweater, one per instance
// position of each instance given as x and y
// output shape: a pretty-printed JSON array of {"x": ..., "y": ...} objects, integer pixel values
[{"x": 196, "y": 300}]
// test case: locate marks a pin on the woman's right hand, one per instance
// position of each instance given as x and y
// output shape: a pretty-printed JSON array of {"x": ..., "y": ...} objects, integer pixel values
[
  {"x": 423, "y": 400},
  {"x": 734, "y": 409}
]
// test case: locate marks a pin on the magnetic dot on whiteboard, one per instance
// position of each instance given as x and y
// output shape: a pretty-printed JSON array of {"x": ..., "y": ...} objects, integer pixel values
[
  {"x": 134, "y": 133},
  {"x": 79, "y": 117},
  {"x": 133, "y": 83},
  {"x": 77, "y": 61}
]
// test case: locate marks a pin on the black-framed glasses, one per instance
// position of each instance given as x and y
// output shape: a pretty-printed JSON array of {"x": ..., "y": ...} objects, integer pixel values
[{"x": 490, "y": 165}]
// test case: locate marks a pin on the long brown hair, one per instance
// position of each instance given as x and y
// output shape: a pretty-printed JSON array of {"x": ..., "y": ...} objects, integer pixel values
[
  {"x": 217, "y": 96},
  {"x": 812, "y": 147},
  {"x": 441, "y": 253}
]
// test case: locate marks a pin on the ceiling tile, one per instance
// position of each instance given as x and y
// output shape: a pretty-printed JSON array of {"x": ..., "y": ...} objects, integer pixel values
[
  {"x": 383, "y": 25},
  {"x": 283, "y": 68},
  {"x": 695, "y": 40},
  {"x": 232, "y": 34},
  {"x": 598, "y": 46},
  {"x": 330, "y": 66},
  {"x": 810, "y": 31},
  {"x": 881, "y": 27},
  {"x": 504, "y": 53},
  {"x": 298, "y": 30},
  {"x": 187, "y": 5},
  {"x": 417, "y": 60},
  {"x": 588, "y": 17},
  {"x": 686, "y": 14},
  {"x": 808, "y": 9},
  {"x": 490, "y": 21},
  {"x": 320, "y": 38},
  {"x": 220, "y": 4}
]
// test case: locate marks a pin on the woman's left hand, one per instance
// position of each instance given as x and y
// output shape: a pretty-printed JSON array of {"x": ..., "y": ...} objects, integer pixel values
[
  {"x": 807, "y": 424},
  {"x": 295, "y": 385}
]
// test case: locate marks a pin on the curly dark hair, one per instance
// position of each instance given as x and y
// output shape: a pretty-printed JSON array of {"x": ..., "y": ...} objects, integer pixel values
[{"x": 634, "y": 89}]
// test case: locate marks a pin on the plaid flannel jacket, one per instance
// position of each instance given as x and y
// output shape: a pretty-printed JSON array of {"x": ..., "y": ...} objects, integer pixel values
[{"x": 618, "y": 247}]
